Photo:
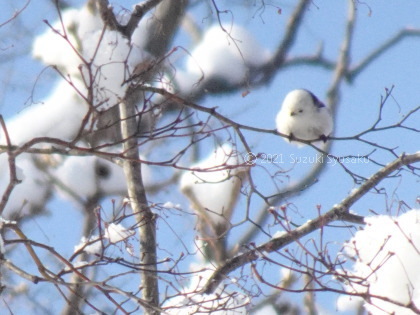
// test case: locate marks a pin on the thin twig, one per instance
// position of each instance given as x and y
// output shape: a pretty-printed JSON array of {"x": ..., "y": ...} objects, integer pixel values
[{"x": 339, "y": 212}]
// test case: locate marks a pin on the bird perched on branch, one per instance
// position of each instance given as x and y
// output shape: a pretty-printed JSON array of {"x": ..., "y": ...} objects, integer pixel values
[{"x": 304, "y": 117}]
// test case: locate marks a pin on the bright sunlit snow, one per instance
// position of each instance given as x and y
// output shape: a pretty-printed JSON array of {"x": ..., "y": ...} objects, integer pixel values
[
  {"x": 59, "y": 116},
  {"x": 117, "y": 233},
  {"x": 78, "y": 38},
  {"x": 2, "y": 251},
  {"x": 265, "y": 310},
  {"x": 58, "y": 45},
  {"x": 104, "y": 59},
  {"x": 93, "y": 245},
  {"x": 171, "y": 205},
  {"x": 31, "y": 193},
  {"x": 86, "y": 176},
  {"x": 226, "y": 54},
  {"x": 192, "y": 302},
  {"x": 214, "y": 184},
  {"x": 112, "y": 65},
  {"x": 388, "y": 257}
]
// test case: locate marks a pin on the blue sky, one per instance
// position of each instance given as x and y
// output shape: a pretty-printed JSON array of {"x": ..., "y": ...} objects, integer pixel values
[{"x": 377, "y": 21}]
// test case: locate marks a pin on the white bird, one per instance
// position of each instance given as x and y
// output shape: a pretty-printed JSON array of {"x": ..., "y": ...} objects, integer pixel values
[{"x": 305, "y": 117}]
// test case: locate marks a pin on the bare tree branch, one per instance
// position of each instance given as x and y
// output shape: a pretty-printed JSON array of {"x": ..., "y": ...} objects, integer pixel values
[
  {"x": 146, "y": 220},
  {"x": 12, "y": 168},
  {"x": 136, "y": 273},
  {"x": 16, "y": 14},
  {"x": 380, "y": 51},
  {"x": 127, "y": 30},
  {"x": 340, "y": 212},
  {"x": 289, "y": 38},
  {"x": 163, "y": 26},
  {"x": 342, "y": 64},
  {"x": 79, "y": 292}
]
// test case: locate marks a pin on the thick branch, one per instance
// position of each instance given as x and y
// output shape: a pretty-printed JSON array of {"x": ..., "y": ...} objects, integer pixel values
[
  {"x": 382, "y": 49},
  {"x": 127, "y": 30},
  {"x": 144, "y": 216},
  {"x": 338, "y": 212},
  {"x": 79, "y": 292},
  {"x": 343, "y": 59},
  {"x": 163, "y": 26},
  {"x": 288, "y": 40}
]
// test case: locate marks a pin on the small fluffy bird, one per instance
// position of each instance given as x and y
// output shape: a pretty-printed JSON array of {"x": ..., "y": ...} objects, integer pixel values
[{"x": 304, "y": 116}]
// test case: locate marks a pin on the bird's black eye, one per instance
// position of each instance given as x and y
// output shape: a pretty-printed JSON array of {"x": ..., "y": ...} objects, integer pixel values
[{"x": 300, "y": 110}]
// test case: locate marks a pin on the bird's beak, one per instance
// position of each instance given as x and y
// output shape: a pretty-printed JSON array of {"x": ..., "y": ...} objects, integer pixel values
[{"x": 292, "y": 114}]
